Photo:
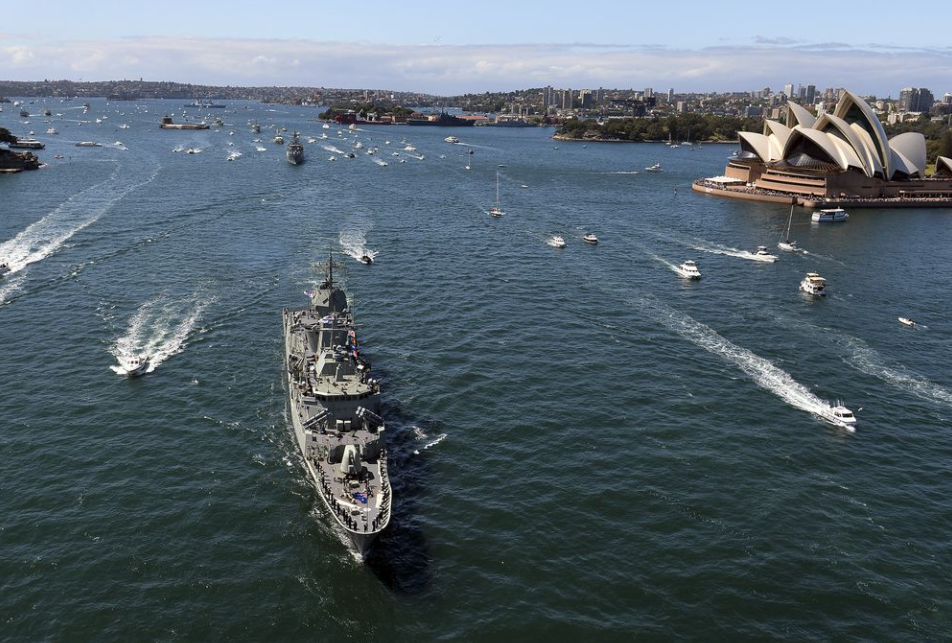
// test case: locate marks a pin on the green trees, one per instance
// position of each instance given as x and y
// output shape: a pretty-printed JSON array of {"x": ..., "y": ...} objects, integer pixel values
[
  {"x": 6, "y": 136},
  {"x": 680, "y": 127}
]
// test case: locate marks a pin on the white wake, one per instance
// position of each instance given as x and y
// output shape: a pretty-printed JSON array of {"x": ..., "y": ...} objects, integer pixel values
[
  {"x": 42, "y": 238},
  {"x": 158, "y": 330},
  {"x": 355, "y": 244},
  {"x": 763, "y": 372}
]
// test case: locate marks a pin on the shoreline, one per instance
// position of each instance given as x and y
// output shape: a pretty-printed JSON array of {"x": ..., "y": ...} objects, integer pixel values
[
  {"x": 809, "y": 201},
  {"x": 562, "y": 137}
]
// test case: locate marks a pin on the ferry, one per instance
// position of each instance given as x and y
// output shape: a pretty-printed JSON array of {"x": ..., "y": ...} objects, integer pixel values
[
  {"x": 813, "y": 284},
  {"x": 832, "y": 214},
  {"x": 689, "y": 270},
  {"x": 27, "y": 144}
]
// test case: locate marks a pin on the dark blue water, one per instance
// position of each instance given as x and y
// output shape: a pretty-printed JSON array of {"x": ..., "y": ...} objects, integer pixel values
[{"x": 613, "y": 454}]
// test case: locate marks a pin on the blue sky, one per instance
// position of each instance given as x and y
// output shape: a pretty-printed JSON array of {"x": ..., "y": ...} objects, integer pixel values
[{"x": 453, "y": 46}]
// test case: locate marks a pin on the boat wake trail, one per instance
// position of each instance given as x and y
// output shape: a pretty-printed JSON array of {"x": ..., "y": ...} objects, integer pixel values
[
  {"x": 718, "y": 249},
  {"x": 355, "y": 245},
  {"x": 420, "y": 435},
  {"x": 673, "y": 268},
  {"x": 44, "y": 237},
  {"x": 869, "y": 361},
  {"x": 157, "y": 331},
  {"x": 331, "y": 148},
  {"x": 763, "y": 372}
]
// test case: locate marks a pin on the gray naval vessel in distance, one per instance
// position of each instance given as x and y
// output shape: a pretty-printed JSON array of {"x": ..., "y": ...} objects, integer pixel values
[
  {"x": 335, "y": 410},
  {"x": 295, "y": 152}
]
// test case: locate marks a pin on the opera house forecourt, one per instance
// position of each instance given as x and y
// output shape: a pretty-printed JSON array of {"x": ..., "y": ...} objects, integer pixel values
[{"x": 840, "y": 158}]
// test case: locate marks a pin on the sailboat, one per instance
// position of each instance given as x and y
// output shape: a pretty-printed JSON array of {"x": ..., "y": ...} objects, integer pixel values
[
  {"x": 785, "y": 243},
  {"x": 496, "y": 211}
]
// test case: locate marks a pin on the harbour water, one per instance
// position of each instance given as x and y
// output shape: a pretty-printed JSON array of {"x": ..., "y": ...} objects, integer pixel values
[{"x": 584, "y": 446}]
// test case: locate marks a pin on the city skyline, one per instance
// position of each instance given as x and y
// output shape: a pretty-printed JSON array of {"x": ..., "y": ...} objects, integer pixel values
[{"x": 497, "y": 47}]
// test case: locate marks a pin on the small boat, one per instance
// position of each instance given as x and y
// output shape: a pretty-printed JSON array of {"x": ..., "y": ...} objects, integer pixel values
[
  {"x": 786, "y": 243},
  {"x": 905, "y": 321},
  {"x": 234, "y": 155},
  {"x": 88, "y": 144},
  {"x": 841, "y": 415},
  {"x": 813, "y": 284},
  {"x": 763, "y": 255},
  {"x": 558, "y": 241},
  {"x": 590, "y": 238},
  {"x": 326, "y": 126},
  {"x": 124, "y": 126},
  {"x": 409, "y": 148},
  {"x": 193, "y": 150},
  {"x": 654, "y": 168},
  {"x": 366, "y": 259},
  {"x": 135, "y": 367},
  {"x": 689, "y": 270},
  {"x": 52, "y": 130},
  {"x": 4, "y": 270},
  {"x": 524, "y": 186},
  {"x": 451, "y": 139},
  {"x": 278, "y": 139},
  {"x": 832, "y": 214},
  {"x": 496, "y": 211},
  {"x": 350, "y": 155}
]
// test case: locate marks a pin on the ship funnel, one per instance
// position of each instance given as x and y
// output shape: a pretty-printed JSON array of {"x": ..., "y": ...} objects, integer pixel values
[{"x": 350, "y": 462}]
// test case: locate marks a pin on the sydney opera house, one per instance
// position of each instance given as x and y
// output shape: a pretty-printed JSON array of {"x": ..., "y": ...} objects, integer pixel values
[{"x": 839, "y": 157}]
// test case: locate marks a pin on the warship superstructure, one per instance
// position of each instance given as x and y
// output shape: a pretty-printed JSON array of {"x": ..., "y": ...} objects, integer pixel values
[{"x": 335, "y": 410}]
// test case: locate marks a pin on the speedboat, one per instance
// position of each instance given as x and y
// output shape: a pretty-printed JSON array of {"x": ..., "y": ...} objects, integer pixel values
[
  {"x": 192, "y": 150},
  {"x": 813, "y": 284},
  {"x": 495, "y": 212},
  {"x": 832, "y": 214},
  {"x": 365, "y": 259},
  {"x": 558, "y": 241},
  {"x": 763, "y": 255},
  {"x": 135, "y": 367},
  {"x": 451, "y": 139},
  {"x": 4, "y": 270},
  {"x": 590, "y": 238},
  {"x": 654, "y": 168},
  {"x": 905, "y": 321},
  {"x": 843, "y": 416},
  {"x": 689, "y": 270}
]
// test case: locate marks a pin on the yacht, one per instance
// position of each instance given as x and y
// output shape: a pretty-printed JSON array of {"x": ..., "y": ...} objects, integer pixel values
[
  {"x": 786, "y": 243},
  {"x": 590, "y": 238},
  {"x": 558, "y": 241},
  {"x": 451, "y": 139},
  {"x": 905, "y": 321},
  {"x": 813, "y": 284},
  {"x": 135, "y": 367},
  {"x": 689, "y": 270},
  {"x": 832, "y": 214},
  {"x": 654, "y": 168},
  {"x": 763, "y": 255},
  {"x": 496, "y": 211}
]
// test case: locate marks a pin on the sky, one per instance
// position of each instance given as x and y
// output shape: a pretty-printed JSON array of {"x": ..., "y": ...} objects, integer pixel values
[{"x": 456, "y": 46}]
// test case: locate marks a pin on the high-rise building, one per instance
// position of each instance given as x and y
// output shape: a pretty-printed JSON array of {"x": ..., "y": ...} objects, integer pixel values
[
  {"x": 567, "y": 101},
  {"x": 548, "y": 97},
  {"x": 649, "y": 92},
  {"x": 811, "y": 94},
  {"x": 788, "y": 90},
  {"x": 671, "y": 95},
  {"x": 600, "y": 96},
  {"x": 915, "y": 99},
  {"x": 585, "y": 99}
]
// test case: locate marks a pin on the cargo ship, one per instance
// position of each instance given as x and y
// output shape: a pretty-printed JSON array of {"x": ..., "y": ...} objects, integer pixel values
[
  {"x": 441, "y": 120},
  {"x": 166, "y": 123}
]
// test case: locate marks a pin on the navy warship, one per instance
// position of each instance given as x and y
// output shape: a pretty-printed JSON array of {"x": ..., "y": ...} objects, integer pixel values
[
  {"x": 295, "y": 153},
  {"x": 335, "y": 410}
]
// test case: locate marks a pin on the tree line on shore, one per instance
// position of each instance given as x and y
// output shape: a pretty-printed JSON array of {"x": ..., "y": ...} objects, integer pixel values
[{"x": 680, "y": 127}]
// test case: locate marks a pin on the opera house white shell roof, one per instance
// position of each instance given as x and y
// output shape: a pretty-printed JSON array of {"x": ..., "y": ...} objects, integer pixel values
[{"x": 851, "y": 138}]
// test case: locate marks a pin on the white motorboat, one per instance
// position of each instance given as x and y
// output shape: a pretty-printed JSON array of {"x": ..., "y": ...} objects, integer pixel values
[
  {"x": 409, "y": 148},
  {"x": 366, "y": 259},
  {"x": 4, "y": 270},
  {"x": 590, "y": 238},
  {"x": 234, "y": 155},
  {"x": 689, "y": 270},
  {"x": 278, "y": 139},
  {"x": 813, "y": 284},
  {"x": 325, "y": 126},
  {"x": 654, "y": 168},
  {"x": 841, "y": 415},
  {"x": 786, "y": 243},
  {"x": 52, "y": 130},
  {"x": 905, "y": 321},
  {"x": 193, "y": 150},
  {"x": 524, "y": 186},
  {"x": 831, "y": 214},
  {"x": 558, "y": 241},
  {"x": 135, "y": 367},
  {"x": 763, "y": 255},
  {"x": 451, "y": 139}
]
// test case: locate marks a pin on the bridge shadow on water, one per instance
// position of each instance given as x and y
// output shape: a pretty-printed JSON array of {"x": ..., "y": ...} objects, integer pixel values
[{"x": 399, "y": 557}]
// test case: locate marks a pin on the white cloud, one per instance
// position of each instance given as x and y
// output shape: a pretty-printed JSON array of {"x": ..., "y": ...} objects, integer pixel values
[{"x": 450, "y": 69}]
